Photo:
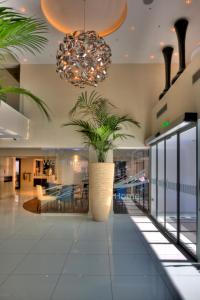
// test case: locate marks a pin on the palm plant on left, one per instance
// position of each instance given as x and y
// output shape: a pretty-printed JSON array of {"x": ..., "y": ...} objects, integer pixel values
[{"x": 19, "y": 33}]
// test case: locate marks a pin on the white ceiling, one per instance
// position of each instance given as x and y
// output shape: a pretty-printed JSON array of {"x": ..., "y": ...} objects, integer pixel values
[{"x": 138, "y": 39}]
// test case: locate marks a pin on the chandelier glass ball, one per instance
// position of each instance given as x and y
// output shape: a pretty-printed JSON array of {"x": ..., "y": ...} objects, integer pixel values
[{"x": 83, "y": 58}]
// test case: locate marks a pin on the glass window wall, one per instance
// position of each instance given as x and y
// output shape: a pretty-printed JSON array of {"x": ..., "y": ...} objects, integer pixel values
[{"x": 173, "y": 186}]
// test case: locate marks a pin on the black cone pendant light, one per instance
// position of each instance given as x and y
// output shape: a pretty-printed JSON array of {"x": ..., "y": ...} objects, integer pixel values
[
  {"x": 181, "y": 28},
  {"x": 167, "y": 53}
]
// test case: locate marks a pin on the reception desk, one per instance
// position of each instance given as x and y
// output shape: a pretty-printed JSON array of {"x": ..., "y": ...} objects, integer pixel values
[{"x": 43, "y": 179}]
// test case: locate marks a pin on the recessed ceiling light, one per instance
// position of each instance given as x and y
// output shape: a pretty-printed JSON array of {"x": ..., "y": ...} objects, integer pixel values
[
  {"x": 172, "y": 29},
  {"x": 188, "y": 2},
  {"x": 152, "y": 56},
  {"x": 25, "y": 59},
  {"x": 132, "y": 28},
  {"x": 162, "y": 43},
  {"x": 23, "y": 9}
]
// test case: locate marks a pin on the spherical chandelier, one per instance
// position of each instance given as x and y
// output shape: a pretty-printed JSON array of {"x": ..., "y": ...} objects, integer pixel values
[{"x": 83, "y": 58}]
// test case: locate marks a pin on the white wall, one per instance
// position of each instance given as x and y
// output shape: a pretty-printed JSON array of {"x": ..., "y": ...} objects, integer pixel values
[
  {"x": 133, "y": 88},
  {"x": 182, "y": 97}
]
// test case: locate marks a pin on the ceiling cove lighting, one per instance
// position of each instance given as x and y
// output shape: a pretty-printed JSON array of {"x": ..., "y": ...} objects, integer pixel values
[{"x": 83, "y": 58}]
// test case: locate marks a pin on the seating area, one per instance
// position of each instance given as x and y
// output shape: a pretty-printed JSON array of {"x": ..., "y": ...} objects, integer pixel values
[{"x": 61, "y": 198}]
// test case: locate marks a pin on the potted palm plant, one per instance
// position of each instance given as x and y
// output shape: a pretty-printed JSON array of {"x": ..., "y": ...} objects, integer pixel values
[
  {"x": 100, "y": 129},
  {"x": 23, "y": 34}
]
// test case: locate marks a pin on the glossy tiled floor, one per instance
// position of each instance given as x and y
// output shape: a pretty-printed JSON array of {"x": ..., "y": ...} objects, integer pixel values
[{"x": 74, "y": 258}]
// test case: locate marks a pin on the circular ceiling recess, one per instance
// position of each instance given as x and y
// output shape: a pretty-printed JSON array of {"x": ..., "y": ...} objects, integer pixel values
[{"x": 103, "y": 16}]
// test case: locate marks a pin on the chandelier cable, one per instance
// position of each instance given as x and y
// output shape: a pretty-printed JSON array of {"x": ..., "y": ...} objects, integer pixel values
[{"x": 83, "y": 57}]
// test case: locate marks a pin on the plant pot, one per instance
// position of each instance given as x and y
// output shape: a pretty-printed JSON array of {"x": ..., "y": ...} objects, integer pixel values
[{"x": 101, "y": 176}]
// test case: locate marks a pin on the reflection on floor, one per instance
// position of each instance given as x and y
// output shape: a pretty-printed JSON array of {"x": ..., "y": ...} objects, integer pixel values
[
  {"x": 34, "y": 206},
  {"x": 61, "y": 257}
]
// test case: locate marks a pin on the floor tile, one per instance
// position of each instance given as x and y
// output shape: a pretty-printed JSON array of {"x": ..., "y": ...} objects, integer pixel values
[
  {"x": 183, "y": 268},
  {"x": 154, "y": 237},
  {"x": 17, "y": 246},
  {"x": 87, "y": 264},
  {"x": 27, "y": 236},
  {"x": 76, "y": 249},
  {"x": 32, "y": 287},
  {"x": 5, "y": 235},
  {"x": 52, "y": 246},
  {"x": 132, "y": 265},
  {"x": 41, "y": 264},
  {"x": 123, "y": 235},
  {"x": 90, "y": 247},
  {"x": 3, "y": 278},
  {"x": 168, "y": 252},
  {"x": 188, "y": 286},
  {"x": 62, "y": 233},
  {"x": 127, "y": 247},
  {"x": 92, "y": 233},
  {"x": 139, "y": 288},
  {"x": 83, "y": 288},
  {"x": 8, "y": 262}
]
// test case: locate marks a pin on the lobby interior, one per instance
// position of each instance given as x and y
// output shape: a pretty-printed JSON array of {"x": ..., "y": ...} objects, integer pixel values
[{"x": 144, "y": 63}]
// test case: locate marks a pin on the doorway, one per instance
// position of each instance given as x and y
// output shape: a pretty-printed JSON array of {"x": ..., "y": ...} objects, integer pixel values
[{"x": 17, "y": 173}]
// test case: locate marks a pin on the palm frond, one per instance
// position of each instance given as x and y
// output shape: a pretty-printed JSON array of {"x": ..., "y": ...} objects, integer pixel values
[
  {"x": 90, "y": 105},
  {"x": 21, "y": 33},
  {"x": 122, "y": 136},
  {"x": 101, "y": 128},
  {"x": 20, "y": 91}
]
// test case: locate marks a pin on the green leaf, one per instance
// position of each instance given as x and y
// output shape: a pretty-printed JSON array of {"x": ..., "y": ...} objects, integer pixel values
[
  {"x": 100, "y": 128},
  {"x": 21, "y": 33},
  {"x": 20, "y": 91}
]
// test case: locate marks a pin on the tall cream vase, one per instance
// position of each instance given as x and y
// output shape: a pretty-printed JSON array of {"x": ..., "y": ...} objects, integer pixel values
[{"x": 101, "y": 177}]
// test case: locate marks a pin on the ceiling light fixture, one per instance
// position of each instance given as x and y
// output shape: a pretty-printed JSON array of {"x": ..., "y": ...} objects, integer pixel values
[
  {"x": 83, "y": 58},
  {"x": 188, "y": 2},
  {"x": 23, "y": 9}
]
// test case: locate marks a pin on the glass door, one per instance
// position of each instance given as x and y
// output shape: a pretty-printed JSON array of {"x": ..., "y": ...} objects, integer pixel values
[
  {"x": 153, "y": 180},
  {"x": 171, "y": 185},
  {"x": 17, "y": 173},
  {"x": 161, "y": 183},
  {"x": 188, "y": 197}
]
